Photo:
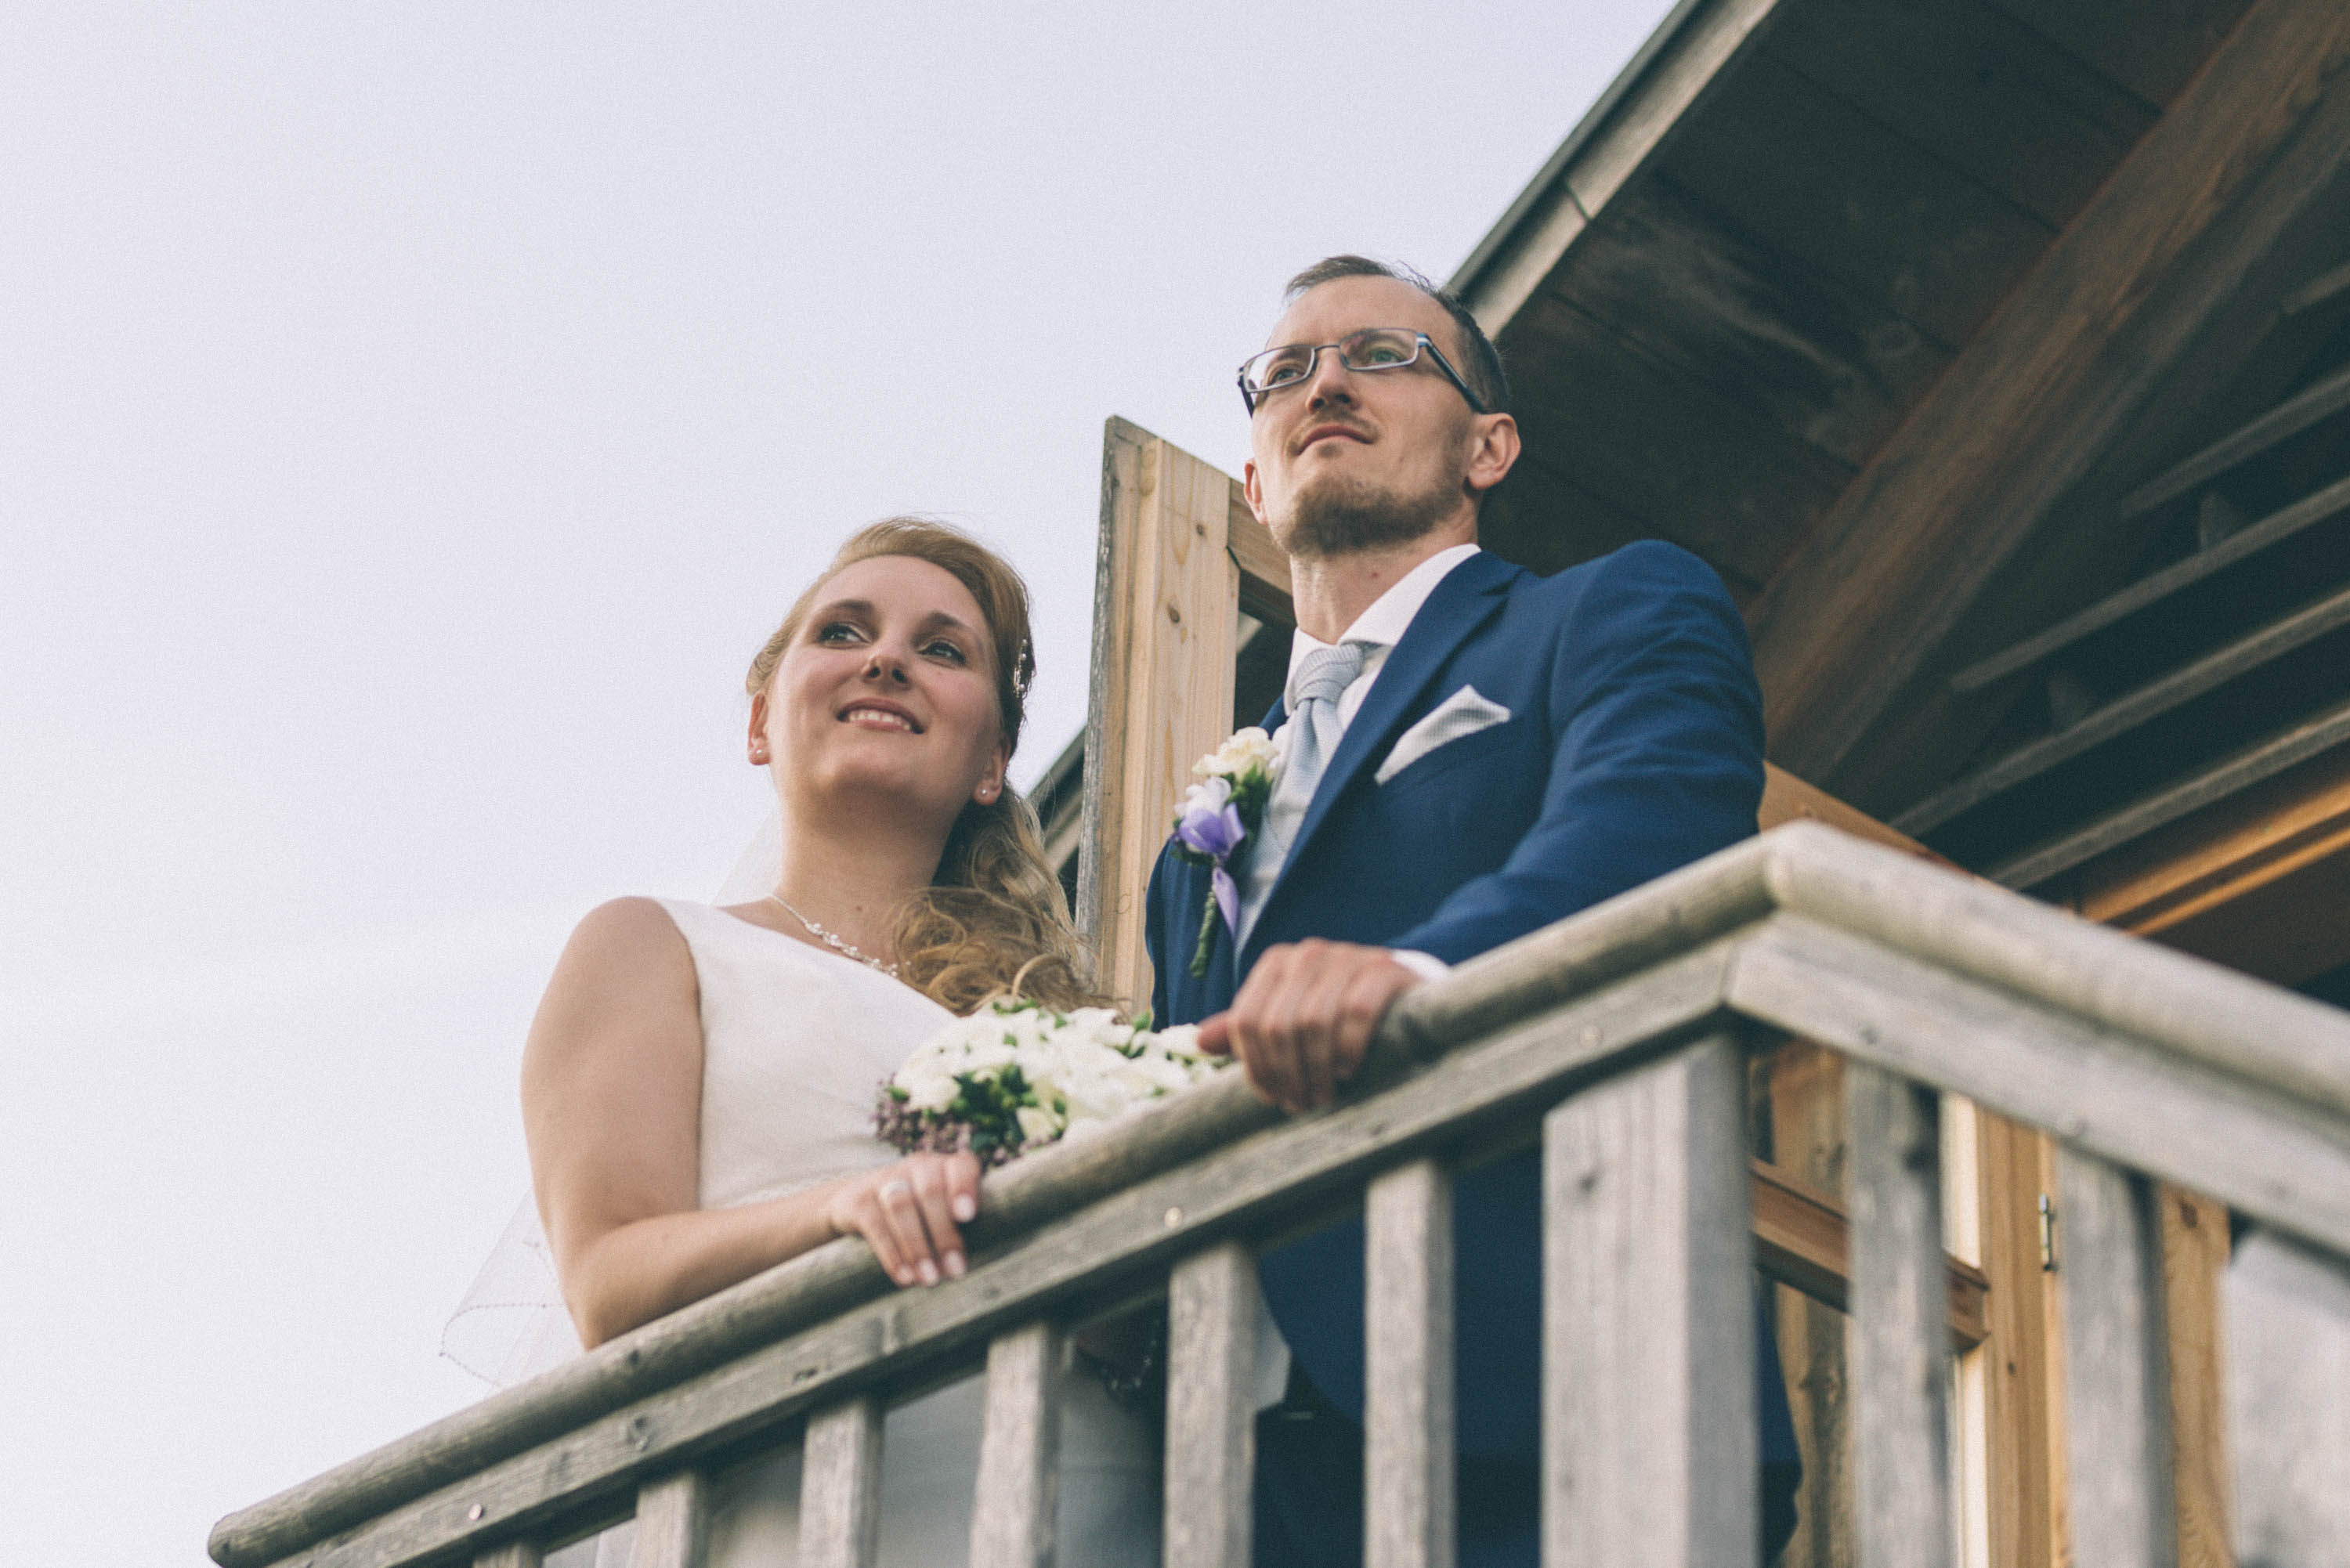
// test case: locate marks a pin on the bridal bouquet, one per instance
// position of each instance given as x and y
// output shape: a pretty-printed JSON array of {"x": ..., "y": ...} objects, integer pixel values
[{"x": 1016, "y": 1075}]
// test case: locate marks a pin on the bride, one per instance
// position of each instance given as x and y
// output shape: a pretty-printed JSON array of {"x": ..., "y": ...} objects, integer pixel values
[{"x": 699, "y": 1081}]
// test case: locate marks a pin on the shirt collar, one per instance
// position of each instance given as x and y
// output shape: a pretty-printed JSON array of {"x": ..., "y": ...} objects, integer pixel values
[{"x": 1390, "y": 616}]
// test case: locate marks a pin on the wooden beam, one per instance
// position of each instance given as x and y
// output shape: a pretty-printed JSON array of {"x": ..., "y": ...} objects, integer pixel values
[
  {"x": 1165, "y": 581},
  {"x": 2253, "y": 881},
  {"x": 1802, "y": 1237},
  {"x": 1873, "y": 590}
]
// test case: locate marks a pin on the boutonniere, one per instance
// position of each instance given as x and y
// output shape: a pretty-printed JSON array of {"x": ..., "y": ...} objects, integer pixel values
[{"x": 1217, "y": 816}]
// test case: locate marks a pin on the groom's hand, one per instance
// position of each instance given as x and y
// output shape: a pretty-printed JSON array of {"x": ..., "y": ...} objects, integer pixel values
[{"x": 1304, "y": 1016}]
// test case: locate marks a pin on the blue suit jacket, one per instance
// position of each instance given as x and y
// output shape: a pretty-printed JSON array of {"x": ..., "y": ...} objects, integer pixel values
[{"x": 1634, "y": 745}]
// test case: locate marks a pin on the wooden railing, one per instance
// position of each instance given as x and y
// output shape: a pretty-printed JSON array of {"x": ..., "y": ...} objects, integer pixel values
[{"x": 1616, "y": 1038}]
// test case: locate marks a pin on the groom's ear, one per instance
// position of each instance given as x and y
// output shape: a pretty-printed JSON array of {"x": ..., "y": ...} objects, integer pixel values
[{"x": 1252, "y": 491}]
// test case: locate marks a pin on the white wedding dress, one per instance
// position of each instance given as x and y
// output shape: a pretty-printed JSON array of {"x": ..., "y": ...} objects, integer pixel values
[{"x": 795, "y": 1041}]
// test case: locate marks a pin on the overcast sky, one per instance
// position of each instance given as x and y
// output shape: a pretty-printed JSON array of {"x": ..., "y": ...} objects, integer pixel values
[{"x": 411, "y": 419}]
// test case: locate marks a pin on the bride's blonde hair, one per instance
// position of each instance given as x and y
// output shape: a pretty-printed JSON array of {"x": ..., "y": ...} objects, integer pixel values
[{"x": 994, "y": 921}]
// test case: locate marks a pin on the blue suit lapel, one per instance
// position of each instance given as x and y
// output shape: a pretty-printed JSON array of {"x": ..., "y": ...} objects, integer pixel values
[{"x": 1470, "y": 594}]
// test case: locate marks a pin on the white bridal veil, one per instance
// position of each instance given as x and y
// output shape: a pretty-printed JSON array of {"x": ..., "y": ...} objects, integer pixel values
[{"x": 512, "y": 1324}]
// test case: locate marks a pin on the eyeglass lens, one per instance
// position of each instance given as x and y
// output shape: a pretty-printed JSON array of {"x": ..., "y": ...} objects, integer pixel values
[{"x": 1373, "y": 348}]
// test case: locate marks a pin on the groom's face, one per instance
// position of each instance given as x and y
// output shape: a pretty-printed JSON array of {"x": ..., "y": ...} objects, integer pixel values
[{"x": 1348, "y": 460}]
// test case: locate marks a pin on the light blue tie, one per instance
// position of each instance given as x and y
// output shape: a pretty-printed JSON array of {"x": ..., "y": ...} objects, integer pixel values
[{"x": 1315, "y": 731}]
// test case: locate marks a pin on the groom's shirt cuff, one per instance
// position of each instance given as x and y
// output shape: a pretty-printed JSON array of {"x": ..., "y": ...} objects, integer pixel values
[{"x": 1428, "y": 966}]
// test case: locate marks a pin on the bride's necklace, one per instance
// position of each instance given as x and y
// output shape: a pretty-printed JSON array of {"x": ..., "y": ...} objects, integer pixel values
[{"x": 832, "y": 939}]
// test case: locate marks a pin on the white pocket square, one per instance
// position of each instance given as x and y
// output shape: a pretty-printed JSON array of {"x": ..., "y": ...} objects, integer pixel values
[{"x": 1463, "y": 714}]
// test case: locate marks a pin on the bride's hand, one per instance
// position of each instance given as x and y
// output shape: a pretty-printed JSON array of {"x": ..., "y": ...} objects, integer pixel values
[{"x": 908, "y": 1213}]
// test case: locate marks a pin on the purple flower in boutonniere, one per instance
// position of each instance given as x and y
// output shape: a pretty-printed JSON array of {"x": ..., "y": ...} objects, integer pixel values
[{"x": 1215, "y": 820}]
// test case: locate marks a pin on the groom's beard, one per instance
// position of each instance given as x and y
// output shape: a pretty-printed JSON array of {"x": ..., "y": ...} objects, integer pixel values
[{"x": 1335, "y": 518}]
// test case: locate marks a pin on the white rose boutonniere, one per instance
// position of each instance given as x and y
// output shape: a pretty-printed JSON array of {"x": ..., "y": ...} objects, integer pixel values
[{"x": 1217, "y": 817}]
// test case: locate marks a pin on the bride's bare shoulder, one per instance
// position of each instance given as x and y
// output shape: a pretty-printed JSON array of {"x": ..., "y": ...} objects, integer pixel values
[{"x": 632, "y": 936}]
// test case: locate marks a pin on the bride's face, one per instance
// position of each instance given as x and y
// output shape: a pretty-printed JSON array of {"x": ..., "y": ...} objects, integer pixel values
[{"x": 886, "y": 696}]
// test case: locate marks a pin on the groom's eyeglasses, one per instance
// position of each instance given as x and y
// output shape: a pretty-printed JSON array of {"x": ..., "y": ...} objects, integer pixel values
[{"x": 1372, "y": 348}]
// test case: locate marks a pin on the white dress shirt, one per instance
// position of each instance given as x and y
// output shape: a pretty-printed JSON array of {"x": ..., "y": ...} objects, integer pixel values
[{"x": 1381, "y": 626}]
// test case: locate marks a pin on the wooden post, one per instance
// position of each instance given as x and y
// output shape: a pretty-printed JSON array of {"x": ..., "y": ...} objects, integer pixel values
[
  {"x": 840, "y": 1486},
  {"x": 1164, "y": 589},
  {"x": 1648, "y": 1333},
  {"x": 1900, "y": 1344},
  {"x": 2288, "y": 1328},
  {"x": 513, "y": 1554},
  {"x": 2116, "y": 1373},
  {"x": 1211, "y": 1311},
  {"x": 1408, "y": 1476},
  {"x": 673, "y": 1521},
  {"x": 1019, "y": 1451}
]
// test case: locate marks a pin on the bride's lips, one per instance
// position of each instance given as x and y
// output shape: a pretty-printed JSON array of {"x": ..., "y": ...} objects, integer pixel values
[{"x": 867, "y": 712}]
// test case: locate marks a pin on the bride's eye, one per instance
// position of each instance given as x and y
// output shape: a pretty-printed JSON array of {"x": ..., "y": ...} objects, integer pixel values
[
  {"x": 836, "y": 632},
  {"x": 946, "y": 649}
]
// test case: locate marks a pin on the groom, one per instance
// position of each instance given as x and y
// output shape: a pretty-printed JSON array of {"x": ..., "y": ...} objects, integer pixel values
[{"x": 1469, "y": 752}]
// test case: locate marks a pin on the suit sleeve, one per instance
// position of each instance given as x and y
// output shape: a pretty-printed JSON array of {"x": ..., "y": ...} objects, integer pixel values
[
  {"x": 1154, "y": 940},
  {"x": 1655, "y": 727}
]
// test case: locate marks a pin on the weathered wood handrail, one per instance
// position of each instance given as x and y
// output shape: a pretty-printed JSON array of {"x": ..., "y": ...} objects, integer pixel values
[{"x": 2141, "y": 1059}]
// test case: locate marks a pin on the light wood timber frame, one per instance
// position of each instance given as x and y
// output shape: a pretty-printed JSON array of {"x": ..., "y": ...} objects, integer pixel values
[{"x": 1180, "y": 558}]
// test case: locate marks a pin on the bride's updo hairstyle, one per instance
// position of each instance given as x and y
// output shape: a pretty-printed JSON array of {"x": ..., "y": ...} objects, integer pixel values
[{"x": 994, "y": 921}]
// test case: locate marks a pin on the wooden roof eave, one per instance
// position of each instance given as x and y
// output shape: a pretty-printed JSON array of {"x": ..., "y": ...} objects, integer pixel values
[{"x": 1687, "y": 54}]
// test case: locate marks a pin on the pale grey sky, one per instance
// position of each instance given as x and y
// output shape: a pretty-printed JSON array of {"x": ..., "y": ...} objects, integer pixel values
[{"x": 413, "y": 416}]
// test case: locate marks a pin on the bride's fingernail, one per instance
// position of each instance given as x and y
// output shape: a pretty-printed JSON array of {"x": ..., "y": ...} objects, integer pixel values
[
  {"x": 954, "y": 1266},
  {"x": 930, "y": 1272},
  {"x": 965, "y": 1206}
]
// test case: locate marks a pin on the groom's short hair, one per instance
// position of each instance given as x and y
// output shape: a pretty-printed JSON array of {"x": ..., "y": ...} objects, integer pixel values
[{"x": 1480, "y": 363}]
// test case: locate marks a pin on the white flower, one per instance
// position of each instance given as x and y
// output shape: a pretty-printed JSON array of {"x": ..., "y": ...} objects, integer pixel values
[
  {"x": 1038, "y": 1124},
  {"x": 927, "y": 1089},
  {"x": 1246, "y": 748}
]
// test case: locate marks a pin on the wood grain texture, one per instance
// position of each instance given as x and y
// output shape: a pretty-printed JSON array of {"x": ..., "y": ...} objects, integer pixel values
[
  {"x": 2239, "y": 882},
  {"x": 1900, "y": 1346},
  {"x": 1211, "y": 1320},
  {"x": 1786, "y": 798},
  {"x": 1975, "y": 87},
  {"x": 1162, "y": 693},
  {"x": 1019, "y": 1451},
  {"x": 2117, "y": 1371},
  {"x": 1812, "y": 178},
  {"x": 2194, "y": 1261},
  {"x": 1648, "y": 1344},
  {"x": 1723, "y": 311},
  {"x": 1803, "y": 1093},
  {"x": 2152, "y": 47},
  {"x": 840, "y": 1485},
  {"x": 673, "y": 1521},
  {"x": 2100, "y": 1089},
  {"x": 2019, "y": 1377},
  {"x": 1703, "y": 470},
  {"x": 2076, "y": 349},
  {"x": 1408, "y": 1457},
  {"x": 2288, "y": 1332},
  {"x": 1802, "y": 1239},
  {"x": 1262, "y": 584}
]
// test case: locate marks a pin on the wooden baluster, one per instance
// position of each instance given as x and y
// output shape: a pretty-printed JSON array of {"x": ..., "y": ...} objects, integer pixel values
[
  {"x": 1901, "y": 1346},
  {"x": 840, "y": 1486},
  {"x": 513, "y": 1554},
  {"x": 2287, "y": 1317},
  {"x": 1212, "y": 1312},
  {"x": 1012, "y": 1524},
  {"x": 1408, "y": 1482},
  {"x": 673, "y": 1521},
  {"x": 1649, "y": 1328},
  {"x": 2116, "y": 1367}
]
